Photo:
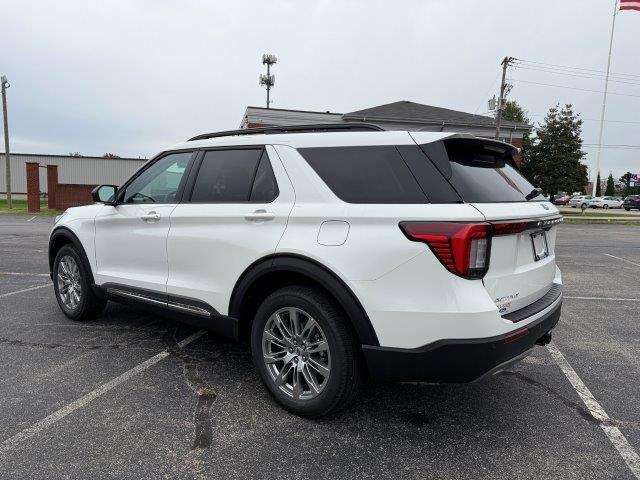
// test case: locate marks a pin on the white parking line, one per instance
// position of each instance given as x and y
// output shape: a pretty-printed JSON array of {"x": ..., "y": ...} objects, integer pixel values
[
  {"x": 24, "y": 290},
  {"x": 619, "y": 441},
  {"x": 32, "y": 218},
  {"x": 604, "y": 298},
  {"x": 623, "y": 259},
  {"x": 25, "y": 274},
  {"x": 46, "y": 422}
]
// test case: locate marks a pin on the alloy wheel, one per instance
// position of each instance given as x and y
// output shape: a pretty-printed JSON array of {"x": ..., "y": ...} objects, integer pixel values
[
  {"x": 296, "y": 353},
  {"x": 68, "y": 280}
]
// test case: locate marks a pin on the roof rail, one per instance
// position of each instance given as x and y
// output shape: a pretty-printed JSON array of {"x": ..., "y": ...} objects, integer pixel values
[{"x": 329, "y": 127}]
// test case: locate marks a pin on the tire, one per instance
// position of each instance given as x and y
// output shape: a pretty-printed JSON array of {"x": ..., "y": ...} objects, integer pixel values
[
  {"x": 627, "y": 209},
  {"x": 84, "y": 305},
  {"x": 332, "y": 392},
  {"x": 573, "y": 206},
  {"x": 605, "y": 206}
]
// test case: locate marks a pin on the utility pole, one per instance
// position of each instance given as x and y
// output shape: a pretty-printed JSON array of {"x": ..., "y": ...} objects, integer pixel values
[
  {"x": 7, "y": 156},
  {"x": 504, "y": 90},
  {"x": 268, "y": 80}
]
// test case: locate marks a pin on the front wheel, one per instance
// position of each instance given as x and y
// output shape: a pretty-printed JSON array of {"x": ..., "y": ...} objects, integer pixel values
[
  {"x": 627, "y": 209},
  {"x": 605, "y": 206},
  {"x": 72, "y": 286},
  {"x": 305, "y": 352}
]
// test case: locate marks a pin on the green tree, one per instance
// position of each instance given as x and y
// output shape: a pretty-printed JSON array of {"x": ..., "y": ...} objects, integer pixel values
[
  {"x": 512, "y": 111},
  {"x": 554, "y": 159},
  {"x": 598, "y": 186},
  {"x": 611, "y": 187}
]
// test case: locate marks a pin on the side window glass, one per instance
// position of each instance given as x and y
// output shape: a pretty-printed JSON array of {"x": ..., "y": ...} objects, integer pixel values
[
  {"x": 265, "y": 187},
  {"x": 226, "y": 176},
  {"x": 159, "y": 183}
]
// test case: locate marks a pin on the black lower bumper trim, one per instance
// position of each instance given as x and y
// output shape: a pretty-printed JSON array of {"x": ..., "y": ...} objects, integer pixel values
[{"x": 459, "y": 360}]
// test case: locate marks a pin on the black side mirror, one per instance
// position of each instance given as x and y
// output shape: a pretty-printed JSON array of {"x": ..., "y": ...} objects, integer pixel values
[{"x": 104, "y": 194}]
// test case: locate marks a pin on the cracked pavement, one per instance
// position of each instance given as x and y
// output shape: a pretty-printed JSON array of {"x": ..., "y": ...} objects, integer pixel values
[{"x": 201, "y": 412}]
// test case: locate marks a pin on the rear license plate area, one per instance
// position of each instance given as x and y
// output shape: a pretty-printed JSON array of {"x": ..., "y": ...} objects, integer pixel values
[{"x": 540, "y": 246}]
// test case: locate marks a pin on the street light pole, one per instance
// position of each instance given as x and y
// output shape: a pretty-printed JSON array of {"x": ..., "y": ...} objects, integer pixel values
[{"x": 7, "y": 156}]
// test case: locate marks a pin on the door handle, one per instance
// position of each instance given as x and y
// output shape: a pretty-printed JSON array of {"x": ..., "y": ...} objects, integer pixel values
[
  {"x": 150, "y": 217},
  {"x": 260, "y": 215}
]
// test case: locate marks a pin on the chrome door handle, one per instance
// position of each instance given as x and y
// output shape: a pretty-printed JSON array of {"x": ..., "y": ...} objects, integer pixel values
[
  {"x": 259, "y": 215},
  {"x": 150, "y": 217}
]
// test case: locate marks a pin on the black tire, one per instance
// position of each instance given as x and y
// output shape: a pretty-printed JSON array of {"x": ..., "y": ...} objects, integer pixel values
[
  {"x": 89, "y": 305},
  {"x": 627, "y": 209},
  {"x": 346, "y": 371},
  {"x": 605, "y": 206}
]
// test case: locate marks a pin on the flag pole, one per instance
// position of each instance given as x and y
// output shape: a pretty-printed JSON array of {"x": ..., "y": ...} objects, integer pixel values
[{"x": 604, "y": 98}]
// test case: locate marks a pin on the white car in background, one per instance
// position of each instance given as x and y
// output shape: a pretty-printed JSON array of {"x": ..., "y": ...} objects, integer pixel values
[
  {"x": 580, "y": 200},
  {"x": 606, "y": 202}
]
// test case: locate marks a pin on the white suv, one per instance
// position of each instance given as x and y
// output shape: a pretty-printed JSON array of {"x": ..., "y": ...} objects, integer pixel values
[{"x": 406, "y": 256}]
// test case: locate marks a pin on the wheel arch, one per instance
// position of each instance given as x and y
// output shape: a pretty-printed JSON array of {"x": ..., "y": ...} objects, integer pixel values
[
  {"x": 60, "y": 237},
  {"x": 275, "y": 271}
]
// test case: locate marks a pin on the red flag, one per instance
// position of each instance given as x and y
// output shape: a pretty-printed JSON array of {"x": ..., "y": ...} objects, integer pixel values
[{"x": 630, "y": 5}]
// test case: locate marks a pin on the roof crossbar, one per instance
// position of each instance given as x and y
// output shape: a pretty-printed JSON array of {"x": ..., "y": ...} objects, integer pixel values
[{"x": 329, "y": 127}]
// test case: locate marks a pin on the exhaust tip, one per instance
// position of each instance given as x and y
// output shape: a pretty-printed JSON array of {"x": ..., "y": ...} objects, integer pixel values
[{"x": 544, "y": 340}]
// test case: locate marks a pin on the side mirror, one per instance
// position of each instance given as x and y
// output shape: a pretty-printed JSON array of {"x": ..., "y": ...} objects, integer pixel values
[{"x": 104, "y": 194}]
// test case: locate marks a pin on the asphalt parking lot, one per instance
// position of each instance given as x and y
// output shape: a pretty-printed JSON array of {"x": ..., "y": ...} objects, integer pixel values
[{"x": 134, "y": 395}]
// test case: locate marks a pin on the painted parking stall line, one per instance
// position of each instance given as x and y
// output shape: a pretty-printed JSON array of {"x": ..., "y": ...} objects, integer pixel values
[
  {"x": 83, "y": 401},
  {"x": 615, "y": 436},
  {"x": 25, "y": 274},
  {"x": 614, "y": 299},
  {"x": 24, "y": 290},
  {"x": 623, "y": 259}
]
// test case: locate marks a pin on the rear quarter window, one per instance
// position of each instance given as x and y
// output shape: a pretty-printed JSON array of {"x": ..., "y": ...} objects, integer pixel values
[{"x": 367, "y": 174}]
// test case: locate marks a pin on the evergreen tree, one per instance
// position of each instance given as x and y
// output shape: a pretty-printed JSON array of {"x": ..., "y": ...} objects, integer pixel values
[
  {"x": 611, "y": 187},
  {"x": 598, "y": 186},
  {"x": 553, "y": 161}
]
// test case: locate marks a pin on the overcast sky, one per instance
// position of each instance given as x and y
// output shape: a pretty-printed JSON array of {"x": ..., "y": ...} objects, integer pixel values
[{"x": 131, "y": 77}]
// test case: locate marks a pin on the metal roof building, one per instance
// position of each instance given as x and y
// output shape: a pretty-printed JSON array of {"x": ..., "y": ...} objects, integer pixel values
[{"x": 71, "y": 170}]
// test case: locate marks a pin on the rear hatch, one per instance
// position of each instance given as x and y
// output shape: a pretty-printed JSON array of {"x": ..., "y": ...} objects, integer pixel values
[{"x": 522, "y": 252}]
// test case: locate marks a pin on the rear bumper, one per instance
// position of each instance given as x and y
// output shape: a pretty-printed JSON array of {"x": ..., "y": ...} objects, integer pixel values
[{"x": 458, "y": 360}]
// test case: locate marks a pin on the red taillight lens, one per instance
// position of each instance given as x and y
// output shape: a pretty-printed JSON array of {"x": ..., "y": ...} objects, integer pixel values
[{"x": 463, "y": 248}]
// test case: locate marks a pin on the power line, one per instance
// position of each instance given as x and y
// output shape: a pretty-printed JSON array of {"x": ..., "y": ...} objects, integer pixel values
[
  {"x": 592, "y": 119},
  {"x": 573, "y": 88},
  {"x": 580, "y": 75},
  {"x": 569, "y": 68},
  {"x": 623, "y": 147}
]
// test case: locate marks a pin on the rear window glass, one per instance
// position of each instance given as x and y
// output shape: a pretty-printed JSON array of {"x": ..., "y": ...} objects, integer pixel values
[
  {"x": 368, "y": 174},
  {"x": 483, "y": 173}
]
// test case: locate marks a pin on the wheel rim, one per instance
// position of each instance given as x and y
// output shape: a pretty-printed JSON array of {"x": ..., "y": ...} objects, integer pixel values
[
  {"x": 68, "y": 279},
  {"x": 296, "y": 353},
  {"x": 606, "y": 206}
]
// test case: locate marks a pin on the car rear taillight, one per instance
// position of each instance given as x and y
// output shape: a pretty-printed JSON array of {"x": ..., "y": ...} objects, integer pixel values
[{"x": 463, "y": 248}]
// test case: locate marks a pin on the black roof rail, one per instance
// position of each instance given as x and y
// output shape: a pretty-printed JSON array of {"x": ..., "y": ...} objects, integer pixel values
[{"x": 328, "y": 127}]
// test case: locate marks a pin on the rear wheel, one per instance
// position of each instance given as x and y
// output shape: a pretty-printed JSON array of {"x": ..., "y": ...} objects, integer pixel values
[
  {"x": 72, "y": 286},
  {"x": 305, "y": 353},
  {"x": 627, "y": 209},
  {"x": 605, "y": 206}
]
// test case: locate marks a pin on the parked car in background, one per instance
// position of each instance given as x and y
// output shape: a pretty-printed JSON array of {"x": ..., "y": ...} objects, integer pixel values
[
  {"x": 561, "y": 198},
  {"x": 580, "y": 201},
  {"x": 632, "y": 201},
  {"x": 606, "y": 202}
]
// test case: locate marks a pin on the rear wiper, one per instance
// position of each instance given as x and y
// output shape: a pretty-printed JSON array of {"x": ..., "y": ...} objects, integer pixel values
[{"x": 533, "y": 194}]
